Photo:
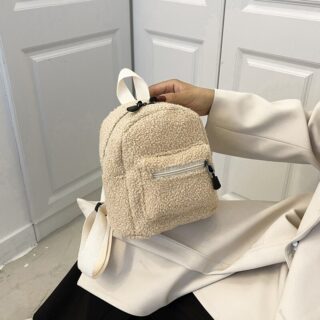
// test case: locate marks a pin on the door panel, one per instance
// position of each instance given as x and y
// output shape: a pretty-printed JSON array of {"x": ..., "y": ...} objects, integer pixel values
[
  {"x": 268, "y": 49},
  {"x": 62, "y": 61},
  {"x": 178, "y": 39}
]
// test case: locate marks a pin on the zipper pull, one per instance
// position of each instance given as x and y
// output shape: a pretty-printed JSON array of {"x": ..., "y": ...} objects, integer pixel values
[
  {"x": 139, "y": 104},
  {"x": 215, "y": 180},
  {"x": 136, "y": 106}
]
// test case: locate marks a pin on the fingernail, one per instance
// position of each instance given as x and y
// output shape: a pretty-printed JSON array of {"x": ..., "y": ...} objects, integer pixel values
[{"x": 161, "y": 98}]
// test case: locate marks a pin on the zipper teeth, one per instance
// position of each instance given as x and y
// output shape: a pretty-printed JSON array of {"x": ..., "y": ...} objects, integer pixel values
[{"x": 179, "y": 169}]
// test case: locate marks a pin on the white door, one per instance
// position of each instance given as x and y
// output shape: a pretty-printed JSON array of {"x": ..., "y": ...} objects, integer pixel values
[
  {"x": 271, "y": 48},
  {"x": 61, "y": 59},
  {"x": 178, "y": 39}
]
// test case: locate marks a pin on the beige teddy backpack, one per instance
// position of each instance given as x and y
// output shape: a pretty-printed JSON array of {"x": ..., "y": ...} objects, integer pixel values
[{"x": 157, "y": 173}]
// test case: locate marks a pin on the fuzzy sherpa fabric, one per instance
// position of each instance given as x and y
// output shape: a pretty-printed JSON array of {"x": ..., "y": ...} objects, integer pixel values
[{"x": 134, "y": 145}]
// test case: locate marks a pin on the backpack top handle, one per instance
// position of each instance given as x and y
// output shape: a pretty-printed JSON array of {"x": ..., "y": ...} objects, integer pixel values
[{"x": 141, "y": 88}]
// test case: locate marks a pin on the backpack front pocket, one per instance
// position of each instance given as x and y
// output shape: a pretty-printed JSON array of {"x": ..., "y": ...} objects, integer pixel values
[{"x": 178, "y": 188}]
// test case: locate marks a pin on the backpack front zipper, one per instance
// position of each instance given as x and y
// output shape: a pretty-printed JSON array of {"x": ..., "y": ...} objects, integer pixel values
[
  {"x": 169, "y": 171},
  {"x": 178, "y": 169}
]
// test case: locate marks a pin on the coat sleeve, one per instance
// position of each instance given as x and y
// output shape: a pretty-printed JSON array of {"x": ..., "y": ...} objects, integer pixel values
[{"x": 246, "y": 125}]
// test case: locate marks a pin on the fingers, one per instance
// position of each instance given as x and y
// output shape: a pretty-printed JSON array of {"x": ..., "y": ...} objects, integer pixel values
[
  {"x": 177, "y": 98},
  {"x": 163, "y": 87}
]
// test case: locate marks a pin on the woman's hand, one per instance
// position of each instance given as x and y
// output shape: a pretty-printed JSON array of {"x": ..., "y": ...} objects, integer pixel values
[{"x": 176, "y": 91}]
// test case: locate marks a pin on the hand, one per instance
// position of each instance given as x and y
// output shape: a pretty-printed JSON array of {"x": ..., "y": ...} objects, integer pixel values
[{"x": 185, "y": 94}]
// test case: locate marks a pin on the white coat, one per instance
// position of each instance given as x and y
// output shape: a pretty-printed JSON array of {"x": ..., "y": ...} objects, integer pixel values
[{"x": 254, "y": 260}]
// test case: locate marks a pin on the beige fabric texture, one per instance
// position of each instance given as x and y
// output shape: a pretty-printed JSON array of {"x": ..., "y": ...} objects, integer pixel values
[{"x": 134, "y": 145}]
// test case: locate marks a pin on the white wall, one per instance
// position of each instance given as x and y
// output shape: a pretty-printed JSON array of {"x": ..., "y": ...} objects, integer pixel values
[{"x": 16, "y": 230}]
